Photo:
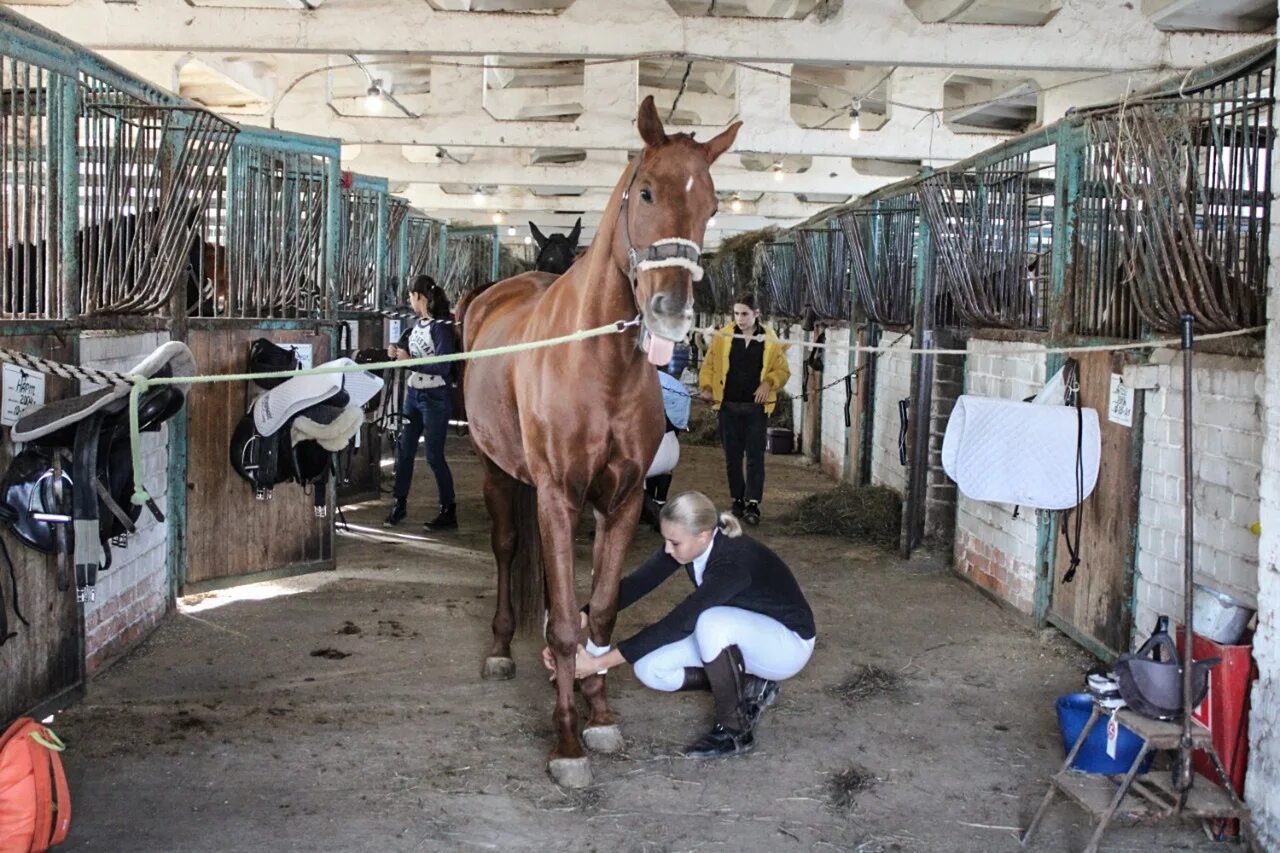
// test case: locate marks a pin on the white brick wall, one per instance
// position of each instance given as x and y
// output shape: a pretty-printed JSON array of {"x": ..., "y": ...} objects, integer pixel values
[
  {"x": 133, "y": 594},
  {"x": 893, "y": 383},
  {"x": 835, "y": 437},
  {"x": 992, "y": 548},
  {"x": 1262, "y": 786},
  {"x": 1227, "y": 461}
]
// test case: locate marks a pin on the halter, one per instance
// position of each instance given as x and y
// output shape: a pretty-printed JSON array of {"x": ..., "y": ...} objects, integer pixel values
[{"x": 666, "y": 252}]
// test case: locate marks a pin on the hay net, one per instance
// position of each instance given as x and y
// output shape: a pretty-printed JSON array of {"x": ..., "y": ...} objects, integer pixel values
[
  {"x": 781, "y": 293},
  {"x": 1190, "y": 178},
  {"x": 980, "y": 223},
  {"x": 823, "y": 259},
  {"x": 881, "y": 244}
]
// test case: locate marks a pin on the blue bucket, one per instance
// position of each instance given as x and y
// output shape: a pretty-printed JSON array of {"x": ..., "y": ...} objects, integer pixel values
[{"x": 1073, "y": 712}]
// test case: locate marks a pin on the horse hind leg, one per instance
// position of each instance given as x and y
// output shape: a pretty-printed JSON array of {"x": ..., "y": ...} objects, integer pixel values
[{"x": 500, "y": 497}]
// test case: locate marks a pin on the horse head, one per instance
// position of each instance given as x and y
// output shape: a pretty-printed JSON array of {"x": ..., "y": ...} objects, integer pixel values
[
  {"x": 556, "y": 252},
  {"x": 666, "y": 200}
]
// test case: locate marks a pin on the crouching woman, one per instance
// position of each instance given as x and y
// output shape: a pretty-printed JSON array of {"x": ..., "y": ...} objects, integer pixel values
[{"x": 745, "y": 626}]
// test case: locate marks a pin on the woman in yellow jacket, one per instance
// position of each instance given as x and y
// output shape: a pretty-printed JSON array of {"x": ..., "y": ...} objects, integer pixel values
[{"x": 742, "y": 377}]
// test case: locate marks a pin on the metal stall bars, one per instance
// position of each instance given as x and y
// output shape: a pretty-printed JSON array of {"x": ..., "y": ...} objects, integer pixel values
[
  {"x": 149, "y": 174},
  {"x": 271, "y": 245},
  {"x": 396, "y": 287},
  {"x": 425, "y": 252},
  {"x": 1190, "y": 172},
  {"x": 822, "y": 261},
  {"x": 781, "y": 293},
  {"x": 278, "y": 235},
  {"x": 471, "y": 258},
  {"x": 363, "y": 243}
]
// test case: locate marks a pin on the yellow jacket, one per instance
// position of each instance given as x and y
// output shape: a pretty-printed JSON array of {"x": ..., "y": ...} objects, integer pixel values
[{"x": 715, "y": 367}]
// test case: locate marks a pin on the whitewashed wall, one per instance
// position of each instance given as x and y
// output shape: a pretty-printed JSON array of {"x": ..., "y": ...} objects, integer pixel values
[
  {"x": 835, "y": 436},
  {"x": 133, "y": 595},
  {"x": 1227, "y": 462},
  {"x": 1262, "y": 786},
  {"x": 893, "y": 383}
]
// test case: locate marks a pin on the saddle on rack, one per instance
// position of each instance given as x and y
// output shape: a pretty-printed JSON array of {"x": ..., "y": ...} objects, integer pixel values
[
  {"x": 84, "y": 513},
  {"x": 293, "y": 431}
]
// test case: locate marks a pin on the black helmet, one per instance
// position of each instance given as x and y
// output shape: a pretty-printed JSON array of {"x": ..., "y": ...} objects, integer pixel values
[
  {"x": 27, "y": 499},
  {"x": 1153, "y": 687}
]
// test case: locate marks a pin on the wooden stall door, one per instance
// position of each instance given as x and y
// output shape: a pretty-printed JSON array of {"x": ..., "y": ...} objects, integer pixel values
[
  {"x": 1096, "y": 608},
  {"x": 230, "y": 534},
  {"x": 857, "y": 406},
  {"x": 45, "y": 660}
]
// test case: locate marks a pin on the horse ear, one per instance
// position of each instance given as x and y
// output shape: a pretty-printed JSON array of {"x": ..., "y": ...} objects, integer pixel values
[
  {"x": 538, "y": 236},
  {"x": 720, "y": 144},
  {"x": 575, "y": 233},
  {"x": 650, "y": 124}
]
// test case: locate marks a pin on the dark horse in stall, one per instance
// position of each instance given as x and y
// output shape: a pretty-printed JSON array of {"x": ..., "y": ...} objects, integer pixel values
[
  {"x": 557, "y": 252},
  {"x": 111, "y": 240},
  {"x": 580, "y": 422}
]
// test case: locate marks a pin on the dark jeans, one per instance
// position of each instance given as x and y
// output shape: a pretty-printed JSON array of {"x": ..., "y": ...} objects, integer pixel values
[
  {"x": 428, "y": 410},
  {"x": 742, "y": 432}
]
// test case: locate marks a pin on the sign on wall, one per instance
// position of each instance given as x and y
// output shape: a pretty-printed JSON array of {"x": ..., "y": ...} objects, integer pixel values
[
  {"x": 22, "y": 389},
  {"x": 303, "y": 352},
  {"x": 1120, "y": 405}
]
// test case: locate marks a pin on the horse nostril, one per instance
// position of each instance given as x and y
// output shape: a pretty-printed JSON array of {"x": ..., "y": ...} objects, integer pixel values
[{"x": 666, "y": 304}]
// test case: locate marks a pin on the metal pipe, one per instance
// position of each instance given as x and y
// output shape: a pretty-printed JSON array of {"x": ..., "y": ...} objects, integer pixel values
[{"x": 1188, "y": 572}]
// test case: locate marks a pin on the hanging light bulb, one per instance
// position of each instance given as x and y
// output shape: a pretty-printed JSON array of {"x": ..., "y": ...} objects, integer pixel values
[
  {"x": 511, "y": 231},
  {"x": 711, "y": 223},
  {"x": 497, "y": 218},
  {"x": 736, "y": 205},
  {"x": 477, "y": 198},
  {"x": 528, "y": 241},
  {"x": 373, "y": 97},
  {"x": 855, "y": 126},
  {"x": 777, "y": 171}
]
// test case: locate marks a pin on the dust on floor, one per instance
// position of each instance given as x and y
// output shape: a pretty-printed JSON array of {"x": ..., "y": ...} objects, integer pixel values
[{"x": 344, "y": 711}]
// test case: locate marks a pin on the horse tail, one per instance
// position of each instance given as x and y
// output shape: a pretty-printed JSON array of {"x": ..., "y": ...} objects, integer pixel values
[{"x": 528, "y": 579}]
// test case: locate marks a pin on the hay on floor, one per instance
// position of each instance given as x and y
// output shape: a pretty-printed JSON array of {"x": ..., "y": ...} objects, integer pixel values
[
  {"x": 868, "y": 681},
  {"x": 868, "y": 514},
  {"x": 844, "y": 787}
]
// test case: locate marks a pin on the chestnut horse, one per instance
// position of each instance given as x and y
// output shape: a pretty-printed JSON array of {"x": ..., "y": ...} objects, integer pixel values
[{"x": 580, "y": 422}]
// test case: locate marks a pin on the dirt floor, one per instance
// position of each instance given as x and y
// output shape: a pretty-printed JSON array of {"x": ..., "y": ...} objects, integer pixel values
[{"x": 344, "y": 711}]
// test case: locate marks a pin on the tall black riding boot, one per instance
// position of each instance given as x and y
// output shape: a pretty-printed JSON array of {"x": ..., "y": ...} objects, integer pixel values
[{"x": 731, "y": 734}]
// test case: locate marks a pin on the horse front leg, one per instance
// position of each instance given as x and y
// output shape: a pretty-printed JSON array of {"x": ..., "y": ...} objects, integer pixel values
[
  {"x": 614, "y": 531},
  {"x": 568, "y": 764}
]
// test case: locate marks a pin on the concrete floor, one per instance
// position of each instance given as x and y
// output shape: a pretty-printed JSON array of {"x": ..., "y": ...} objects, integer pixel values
[{"x": 344, "y": 711}]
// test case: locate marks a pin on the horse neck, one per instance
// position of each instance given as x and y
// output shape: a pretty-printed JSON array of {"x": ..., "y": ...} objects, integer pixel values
[{"x": 595, "y": 291}]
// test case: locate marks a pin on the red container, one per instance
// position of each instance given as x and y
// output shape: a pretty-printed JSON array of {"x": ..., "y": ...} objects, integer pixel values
[{"x": 1225, "y": 710}]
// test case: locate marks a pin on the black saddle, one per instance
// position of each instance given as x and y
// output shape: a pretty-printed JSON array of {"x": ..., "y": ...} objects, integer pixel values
[{"x": 86, "y": 512}]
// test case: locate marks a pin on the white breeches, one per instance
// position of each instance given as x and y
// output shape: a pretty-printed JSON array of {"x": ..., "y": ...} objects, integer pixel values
[
  {"x": 664, "y": 461},
  {"x": 769, "y": 648}
]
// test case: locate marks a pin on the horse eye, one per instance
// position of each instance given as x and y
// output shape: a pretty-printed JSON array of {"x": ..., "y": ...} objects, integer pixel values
[{"x": 646, "y": 196}]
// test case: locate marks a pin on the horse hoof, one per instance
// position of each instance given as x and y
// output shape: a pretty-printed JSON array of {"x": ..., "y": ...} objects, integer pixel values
[
  {"x": 607, "y": 739},
  {"x": 570, "y": 772},
  {"x": 498, "y": 669}
]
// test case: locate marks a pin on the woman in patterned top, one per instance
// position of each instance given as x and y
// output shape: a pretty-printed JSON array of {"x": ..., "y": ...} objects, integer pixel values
[{"x": 429, "y": 401}]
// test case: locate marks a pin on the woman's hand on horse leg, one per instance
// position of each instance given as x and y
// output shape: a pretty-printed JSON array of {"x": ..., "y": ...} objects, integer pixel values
[{"x": 549, "y": 661}]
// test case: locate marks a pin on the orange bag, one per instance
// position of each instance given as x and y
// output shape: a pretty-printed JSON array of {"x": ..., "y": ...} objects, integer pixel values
[{"x": 35, "y": 803}]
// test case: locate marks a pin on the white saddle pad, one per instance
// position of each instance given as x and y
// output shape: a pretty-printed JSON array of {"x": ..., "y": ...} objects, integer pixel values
[{"x": 1005, "y": 451}]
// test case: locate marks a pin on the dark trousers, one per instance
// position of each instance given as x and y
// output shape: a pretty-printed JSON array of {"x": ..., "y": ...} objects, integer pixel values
[
  {"x": 428, "y": 411},
  {"x": 742, "y": 432},
  {"x": 658, "y": 487}
]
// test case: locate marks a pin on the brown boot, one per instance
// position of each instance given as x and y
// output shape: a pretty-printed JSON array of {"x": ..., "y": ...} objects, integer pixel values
[{"x": 731, "y": 734}]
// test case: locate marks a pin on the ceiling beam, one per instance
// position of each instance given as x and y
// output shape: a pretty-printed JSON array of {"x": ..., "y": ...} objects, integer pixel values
[{"x": 1087, "y": 35}]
